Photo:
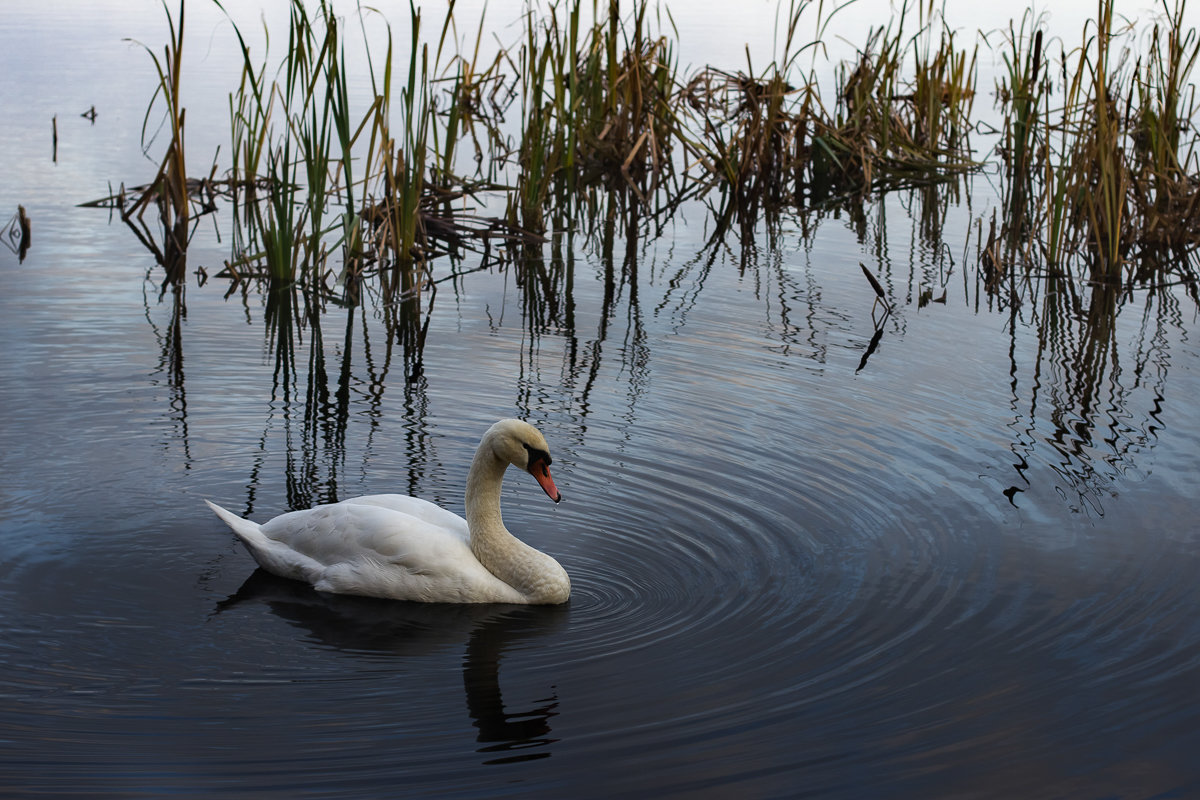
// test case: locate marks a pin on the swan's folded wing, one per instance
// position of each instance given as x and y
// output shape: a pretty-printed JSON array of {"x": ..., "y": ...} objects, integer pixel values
[
  {"x": 375, "y": 550},
  {"x": 415, "y": 507},
  {"x": 343, "y": 531}
]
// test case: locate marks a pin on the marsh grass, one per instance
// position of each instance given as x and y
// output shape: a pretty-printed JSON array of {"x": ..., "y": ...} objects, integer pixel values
[
  {"x": 754, "y": 132},
  {"x": 766, "y": 140},
  {"x": 1022, "y": 91},
  {"x": 169, "y": 190},
  {"x": 586, "y": 124},
  {"x": 891, "y": 131},
  {"x": 598, "y": 122},
  {"x": 293, "y": 133},
  {"x": 1101, "y": 188},
  {"x": 625, "y": 120},
  {"x": 373, "y": 181}
]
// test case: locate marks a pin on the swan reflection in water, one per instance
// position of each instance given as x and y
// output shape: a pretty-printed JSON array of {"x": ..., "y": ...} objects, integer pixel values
[{"x": 368, "y": 625}]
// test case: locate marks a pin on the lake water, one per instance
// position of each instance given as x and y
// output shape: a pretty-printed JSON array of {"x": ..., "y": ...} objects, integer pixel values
[{"x": 954, "y": 558}]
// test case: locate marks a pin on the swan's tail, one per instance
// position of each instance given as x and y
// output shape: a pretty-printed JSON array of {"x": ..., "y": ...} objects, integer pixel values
[
  {"x": 271, "y": 555},
  {"x": 246, "y": 530}
]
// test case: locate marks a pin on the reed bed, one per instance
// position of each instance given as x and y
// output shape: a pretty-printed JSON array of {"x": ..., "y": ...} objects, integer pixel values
[
  {"x": 1103, "y": 186},
  {"x": 586, "y": 123},
  {"x": 888, "y": 131},
  {"x": 598, "y": 121}
]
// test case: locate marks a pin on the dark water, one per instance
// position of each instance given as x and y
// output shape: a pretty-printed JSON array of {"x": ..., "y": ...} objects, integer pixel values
[{"x": 962, "y": 568}]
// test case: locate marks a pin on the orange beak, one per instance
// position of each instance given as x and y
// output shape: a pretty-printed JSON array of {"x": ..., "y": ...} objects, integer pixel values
[{"x": 541, "y": 473}]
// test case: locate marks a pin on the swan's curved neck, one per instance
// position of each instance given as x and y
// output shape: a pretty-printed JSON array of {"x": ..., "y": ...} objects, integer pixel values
[
  {"x": 483, "y": 501},
  {"x": 531, "y": 572}
]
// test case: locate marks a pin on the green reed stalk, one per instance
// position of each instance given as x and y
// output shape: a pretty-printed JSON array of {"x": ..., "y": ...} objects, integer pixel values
[
  {"x": 169, "y": 186},
  {"x": 278, "y": 225},
  {"x": 411, "y": 175},
  {"x": 304, "y": 138},
  {"x": 1099, "y": 158},
  {"x": 1162, "y": 111},
  {"x": 1058, "y": 192},
  {"x": 250, "y": 116},
  {"x": 1061, "y": 186},
  {"x": 1022, "y": 94},
  {"x": 402, "y": 164},
  {"x": 176, "y": 172},
  {"x": 337, "y": 110},
  {"x": 537, "y": 157},
  {"x": 312, "y": 56},
  {"x": 477, "y": 96},
  {"x": 1166, "y": 197},
  {"x": 445, "y": 146},
  {"x": 571, "y": 101}
]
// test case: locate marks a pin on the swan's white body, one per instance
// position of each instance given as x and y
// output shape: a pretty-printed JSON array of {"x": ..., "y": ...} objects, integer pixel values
[{"x": 405, "y": 548}]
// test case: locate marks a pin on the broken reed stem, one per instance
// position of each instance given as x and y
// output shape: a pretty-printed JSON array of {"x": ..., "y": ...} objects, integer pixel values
[{"x": 880, "y": 294}]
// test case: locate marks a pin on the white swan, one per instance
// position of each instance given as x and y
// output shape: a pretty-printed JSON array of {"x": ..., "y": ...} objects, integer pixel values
[{"x": 404, "y": 548}]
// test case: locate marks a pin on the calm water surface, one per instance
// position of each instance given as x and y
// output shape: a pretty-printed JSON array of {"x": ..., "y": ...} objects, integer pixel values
[{"x": 957, "y": 558}]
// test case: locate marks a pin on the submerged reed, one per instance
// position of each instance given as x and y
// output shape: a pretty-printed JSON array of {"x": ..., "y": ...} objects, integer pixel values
[{"x": 17, "y": 235}]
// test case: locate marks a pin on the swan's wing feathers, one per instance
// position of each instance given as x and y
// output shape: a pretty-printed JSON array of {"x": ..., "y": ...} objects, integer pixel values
[
  {"x": 422, "y": 510},
  {"x": 379, "y": 545},
  {"x": 345, "y": 531},
  {"x": 373, "y": 549}
]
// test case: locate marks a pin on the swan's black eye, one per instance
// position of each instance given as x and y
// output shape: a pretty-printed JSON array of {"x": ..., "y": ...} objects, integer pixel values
[{"x": 536, "y": 455}]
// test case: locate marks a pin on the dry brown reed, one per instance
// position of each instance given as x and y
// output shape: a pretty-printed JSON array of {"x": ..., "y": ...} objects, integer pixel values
[
  {"x": 1106, "y": 187},
  {"x": 766, "y": 140},
  {"x": 169, "y": 189},
  {"x": 609, "y": 133}
]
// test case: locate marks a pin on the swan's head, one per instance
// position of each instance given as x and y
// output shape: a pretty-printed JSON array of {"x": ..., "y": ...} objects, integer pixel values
[{"x": 523, "y": 445}]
